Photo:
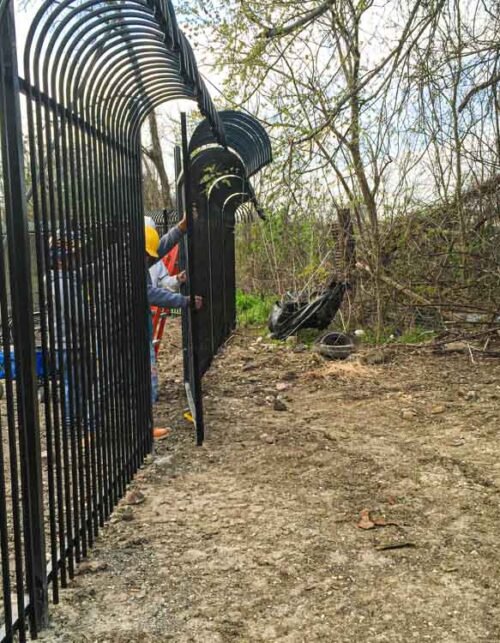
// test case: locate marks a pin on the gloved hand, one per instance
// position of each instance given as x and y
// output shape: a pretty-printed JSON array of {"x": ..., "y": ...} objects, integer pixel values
[{"x": 198, "y": 302}]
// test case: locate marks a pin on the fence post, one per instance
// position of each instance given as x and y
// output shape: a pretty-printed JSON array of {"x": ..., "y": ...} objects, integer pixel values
[
  {"x": 193, "y": 335},
  {"x": 23, "y": 326}
]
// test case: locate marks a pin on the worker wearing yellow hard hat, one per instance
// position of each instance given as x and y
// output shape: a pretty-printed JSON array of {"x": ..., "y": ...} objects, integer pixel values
[
  {"x": 152, "y": 241},
  {"x": 156, "y": 248}
]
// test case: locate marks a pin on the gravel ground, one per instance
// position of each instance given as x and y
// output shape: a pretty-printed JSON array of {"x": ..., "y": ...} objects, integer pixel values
[{"x": 357, "y": 502}]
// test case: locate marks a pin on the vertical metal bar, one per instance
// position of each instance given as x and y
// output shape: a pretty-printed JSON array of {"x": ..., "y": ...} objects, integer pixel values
[
  {"x": 194, "y": 359},
  {"x": 183, "y": 266},
  {"x": 56, "y": 519},
  {"x": 4, "y": 529},
  {"x": 23, "y": 327}
]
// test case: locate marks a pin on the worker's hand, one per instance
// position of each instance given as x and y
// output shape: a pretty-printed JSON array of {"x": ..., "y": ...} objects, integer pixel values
[
  {"x": 182, "y": 277},
  {"x": 198, "y": 302},
  {"x": 183, "y": 224}
]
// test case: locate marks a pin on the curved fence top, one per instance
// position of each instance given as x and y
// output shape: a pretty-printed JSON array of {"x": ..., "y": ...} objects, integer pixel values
[
  {"x": 244, "y": 134},
  {"x": 223, "y": 176},
  {"x": 111, "y": 62}
]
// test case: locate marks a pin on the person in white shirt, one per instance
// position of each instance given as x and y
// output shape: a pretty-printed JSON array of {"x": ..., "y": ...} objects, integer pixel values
[{"x": 160, "y": 276}]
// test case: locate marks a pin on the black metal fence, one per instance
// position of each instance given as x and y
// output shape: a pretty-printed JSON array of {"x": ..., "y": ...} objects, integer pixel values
[
  {"x": 93, "y": 70},
  {"x": 163, "y": 219},
  {"x": 75, "y": 417},
  {"x": 217, "y": 184}
]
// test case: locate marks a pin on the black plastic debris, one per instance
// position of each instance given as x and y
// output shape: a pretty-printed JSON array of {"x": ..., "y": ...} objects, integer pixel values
[{"x": 295, "y": 312}]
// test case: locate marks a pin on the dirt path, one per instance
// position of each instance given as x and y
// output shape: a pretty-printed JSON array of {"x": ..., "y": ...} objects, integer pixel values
[{"x": 254, "y": 537}]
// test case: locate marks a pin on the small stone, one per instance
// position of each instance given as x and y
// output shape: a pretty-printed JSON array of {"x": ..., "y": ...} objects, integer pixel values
[
  {"x": 471, "y": 396},
  {"x": 127, "y": 514},
  {"x": 438, "y": 409},
  {"x": 135, "y": 497},
  {"x": 163, "y": 461},
  {"x": 456, "y": 346},
  {"x": 300, "y": 348},
  {"x": 282, "y": 386},
  {"x": 408, "y": 414},
  {"x": 279, "y": 405},
  {"x": 91, "y": 566},
  {"x": 376, "y": 357},
  {"x": 267, "y": 438}
]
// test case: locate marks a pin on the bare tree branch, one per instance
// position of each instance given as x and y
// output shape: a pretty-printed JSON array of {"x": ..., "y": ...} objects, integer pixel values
[
  {"x": 478, "y": 88},
  {"x": 273, "y": 32}
]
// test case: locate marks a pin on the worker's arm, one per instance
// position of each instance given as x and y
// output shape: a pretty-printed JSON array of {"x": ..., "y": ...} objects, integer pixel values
[
  {"x": 172, "y": 238},
  {"x": 166, "y": 298}
]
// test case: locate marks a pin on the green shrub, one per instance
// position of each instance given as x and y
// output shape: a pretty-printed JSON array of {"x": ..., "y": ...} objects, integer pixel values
[
  {"x": 253, "y": 310},
  {"x": 414, "y": 335}
]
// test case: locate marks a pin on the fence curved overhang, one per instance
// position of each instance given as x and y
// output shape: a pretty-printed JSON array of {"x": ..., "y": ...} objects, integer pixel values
[
  {"x": 248, "y": 150},
  {"x": 110, "y": 64},
  {"x": 214, "y": 167},
  {"x": 244, "y": 135}
]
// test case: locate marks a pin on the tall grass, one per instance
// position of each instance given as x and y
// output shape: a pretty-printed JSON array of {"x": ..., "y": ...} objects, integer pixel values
[{"x": 253, "y": 310}]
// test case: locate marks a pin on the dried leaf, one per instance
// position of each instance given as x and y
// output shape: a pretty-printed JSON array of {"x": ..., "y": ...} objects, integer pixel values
[
  {"x": 367, "y": 521},
  {"x": 364, "y": 521},
  {"x": 382, "y": 522}
]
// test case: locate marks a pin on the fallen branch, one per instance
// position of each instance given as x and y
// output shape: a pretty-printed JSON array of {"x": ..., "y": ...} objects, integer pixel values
[
  {"x": 464, "y": 337},
  {"x": 406, "y": 291}
]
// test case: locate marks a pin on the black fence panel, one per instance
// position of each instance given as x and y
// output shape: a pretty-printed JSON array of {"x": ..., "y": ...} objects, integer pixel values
[
  {"x": 190, "y": 316},
  {"x": 216, "y": 172},
  {"x": 74, "y": 326},
  {"x": 219, "y": 186},
  {"x": 24, "y": 582},
  {"x": 243, "y": 134}
]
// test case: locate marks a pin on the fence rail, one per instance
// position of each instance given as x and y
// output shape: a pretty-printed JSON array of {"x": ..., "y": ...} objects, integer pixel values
[{"x": 74, "y": 331}]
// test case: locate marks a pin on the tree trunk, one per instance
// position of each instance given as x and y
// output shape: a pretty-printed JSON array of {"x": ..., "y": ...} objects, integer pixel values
[{"x": 156, "y": 156}]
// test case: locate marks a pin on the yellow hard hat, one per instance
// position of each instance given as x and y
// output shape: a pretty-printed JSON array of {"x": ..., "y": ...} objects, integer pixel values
[{"x": 152, "y": 241}]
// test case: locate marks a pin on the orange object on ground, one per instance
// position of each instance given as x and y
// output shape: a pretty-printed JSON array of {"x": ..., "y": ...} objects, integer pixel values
[{"x": 161, "y": 434}]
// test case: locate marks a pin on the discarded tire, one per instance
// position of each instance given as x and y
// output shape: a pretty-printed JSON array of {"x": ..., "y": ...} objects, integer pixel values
[{"x": 334, "y": 345}]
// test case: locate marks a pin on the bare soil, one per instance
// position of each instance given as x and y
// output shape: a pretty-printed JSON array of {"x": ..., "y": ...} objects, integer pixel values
[{"x": 257, "y": 535}]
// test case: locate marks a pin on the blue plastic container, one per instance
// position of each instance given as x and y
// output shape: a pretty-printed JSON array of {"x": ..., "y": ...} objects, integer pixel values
[{"x": 38, "y": 363}]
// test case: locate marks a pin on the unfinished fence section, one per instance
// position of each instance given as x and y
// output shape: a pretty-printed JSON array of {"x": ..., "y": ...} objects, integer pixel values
[
  {"x": 217, "y": 184},
  {"x": 93, "y": 71}
]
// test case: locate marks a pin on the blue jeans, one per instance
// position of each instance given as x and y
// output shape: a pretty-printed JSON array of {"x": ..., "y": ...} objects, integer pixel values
[
  {"x": 74, "y": 400},
  {"x": 154, "y": 374}
]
